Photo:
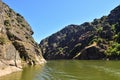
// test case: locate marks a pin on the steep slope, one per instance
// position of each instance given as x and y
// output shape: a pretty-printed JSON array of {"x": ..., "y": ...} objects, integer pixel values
[
  {"x": 17, "y": 46},
  {"x": 77, "y": 41}
]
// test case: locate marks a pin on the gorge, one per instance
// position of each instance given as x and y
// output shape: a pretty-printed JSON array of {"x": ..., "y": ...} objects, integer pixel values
[{"x": 70, "y": 48}]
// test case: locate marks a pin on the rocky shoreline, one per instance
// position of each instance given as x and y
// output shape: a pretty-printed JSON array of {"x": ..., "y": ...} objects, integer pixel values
[{"x": 7, "y": 68}]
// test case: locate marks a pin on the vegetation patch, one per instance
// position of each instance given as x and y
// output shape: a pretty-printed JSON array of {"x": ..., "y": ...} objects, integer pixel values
[
  {"x": 7, "y": 23},
  {"x": 113, "y": 49},
  {"x": 2, "y": 40}
]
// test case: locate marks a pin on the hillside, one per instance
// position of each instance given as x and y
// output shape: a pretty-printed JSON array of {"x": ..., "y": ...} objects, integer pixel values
[
  {"x": 99, "y": 39},
  {"x": 17, "y": 46}
]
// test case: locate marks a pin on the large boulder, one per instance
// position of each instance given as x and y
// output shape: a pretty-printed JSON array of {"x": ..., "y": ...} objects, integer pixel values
[{"x": 91, "y": 53}]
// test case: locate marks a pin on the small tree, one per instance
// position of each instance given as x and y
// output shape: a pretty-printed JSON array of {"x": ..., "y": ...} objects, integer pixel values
[
  {"x": 7, "y": 23},
  {"x": 114, "y": 49},
  {"x": 2, "y": 40},
  {"x": 118, "y": 38}
]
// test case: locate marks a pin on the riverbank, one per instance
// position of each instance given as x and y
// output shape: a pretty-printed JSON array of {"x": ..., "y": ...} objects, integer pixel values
[
  {"x": 7, "y": 67},
  {"x": 9, "y": 70}
]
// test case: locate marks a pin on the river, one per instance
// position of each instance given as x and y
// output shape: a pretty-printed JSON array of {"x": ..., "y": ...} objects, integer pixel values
[{"x": 69, "y": 70}]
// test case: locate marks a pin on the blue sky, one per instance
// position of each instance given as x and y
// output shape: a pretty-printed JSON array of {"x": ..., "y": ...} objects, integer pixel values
[{"x": 49, "y": 16}]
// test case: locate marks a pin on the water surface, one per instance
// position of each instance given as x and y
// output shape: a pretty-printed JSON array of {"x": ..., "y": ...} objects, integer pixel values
[{"x": 69, "y": 70}]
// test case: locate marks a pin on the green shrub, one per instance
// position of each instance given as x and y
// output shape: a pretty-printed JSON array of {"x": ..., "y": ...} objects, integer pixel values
[
  {"x": 100, "y": 29},
  {"x": 8, "y": 27},
  {"x": 19, "y": 19},
  {"x": 118, "y": 37},
  {"x": 19, "y": 15},
  {"x": 10, "y": 10},
  {"x": 10, "y": 35},
  {"x": 115, "y": 37},
  {"x": 2, "y": 40},
  {"x": 113, "y": 27},
  {"x": 18, "y": 32},
  {"x": 9, "y": 13},
  {"x": 6, "y": 22},
  {"x": 114, "y": 49},
  {"x": 97, "y": 40}
]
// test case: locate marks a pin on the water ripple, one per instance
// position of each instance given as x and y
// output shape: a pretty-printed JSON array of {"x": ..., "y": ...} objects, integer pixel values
[{"x": 107, "y": 70}]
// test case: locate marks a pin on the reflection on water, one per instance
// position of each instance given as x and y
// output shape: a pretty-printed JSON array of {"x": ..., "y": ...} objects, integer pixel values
[
  {"x": 70, "y": 70},
  {"x": 28, "y": 73},
  {"x": 13, "y": 76}
]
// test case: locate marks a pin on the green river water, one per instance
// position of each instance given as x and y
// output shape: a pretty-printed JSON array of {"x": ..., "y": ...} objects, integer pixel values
[{"x": 69, "y": 70}]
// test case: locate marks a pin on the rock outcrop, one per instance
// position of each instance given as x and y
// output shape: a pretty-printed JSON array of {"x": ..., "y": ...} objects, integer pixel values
[
  {"x": 92, "y": 52},
  {"x": 74, "y": 40},
  {"x": 17, "y": 46}
]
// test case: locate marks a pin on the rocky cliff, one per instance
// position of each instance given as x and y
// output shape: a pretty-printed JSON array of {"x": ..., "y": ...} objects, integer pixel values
[
  {"x": 99, "y": 39},
  {"x": 17, "y": 46}
]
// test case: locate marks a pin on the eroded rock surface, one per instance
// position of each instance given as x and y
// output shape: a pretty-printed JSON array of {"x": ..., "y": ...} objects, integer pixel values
[{"x": 17, "y": 45}]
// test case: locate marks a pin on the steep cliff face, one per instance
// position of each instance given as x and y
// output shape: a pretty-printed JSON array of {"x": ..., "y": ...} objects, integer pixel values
[
  {"x": 74, "y": 41},
  {"x": 16, "y": 43}
]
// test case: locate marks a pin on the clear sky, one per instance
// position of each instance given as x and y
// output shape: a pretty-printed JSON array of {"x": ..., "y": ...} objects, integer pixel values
[{"x": 49, "y": 16}]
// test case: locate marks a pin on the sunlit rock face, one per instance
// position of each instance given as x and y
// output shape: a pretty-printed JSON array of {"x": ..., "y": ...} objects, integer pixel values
[{"x": 17, "y": 45}]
